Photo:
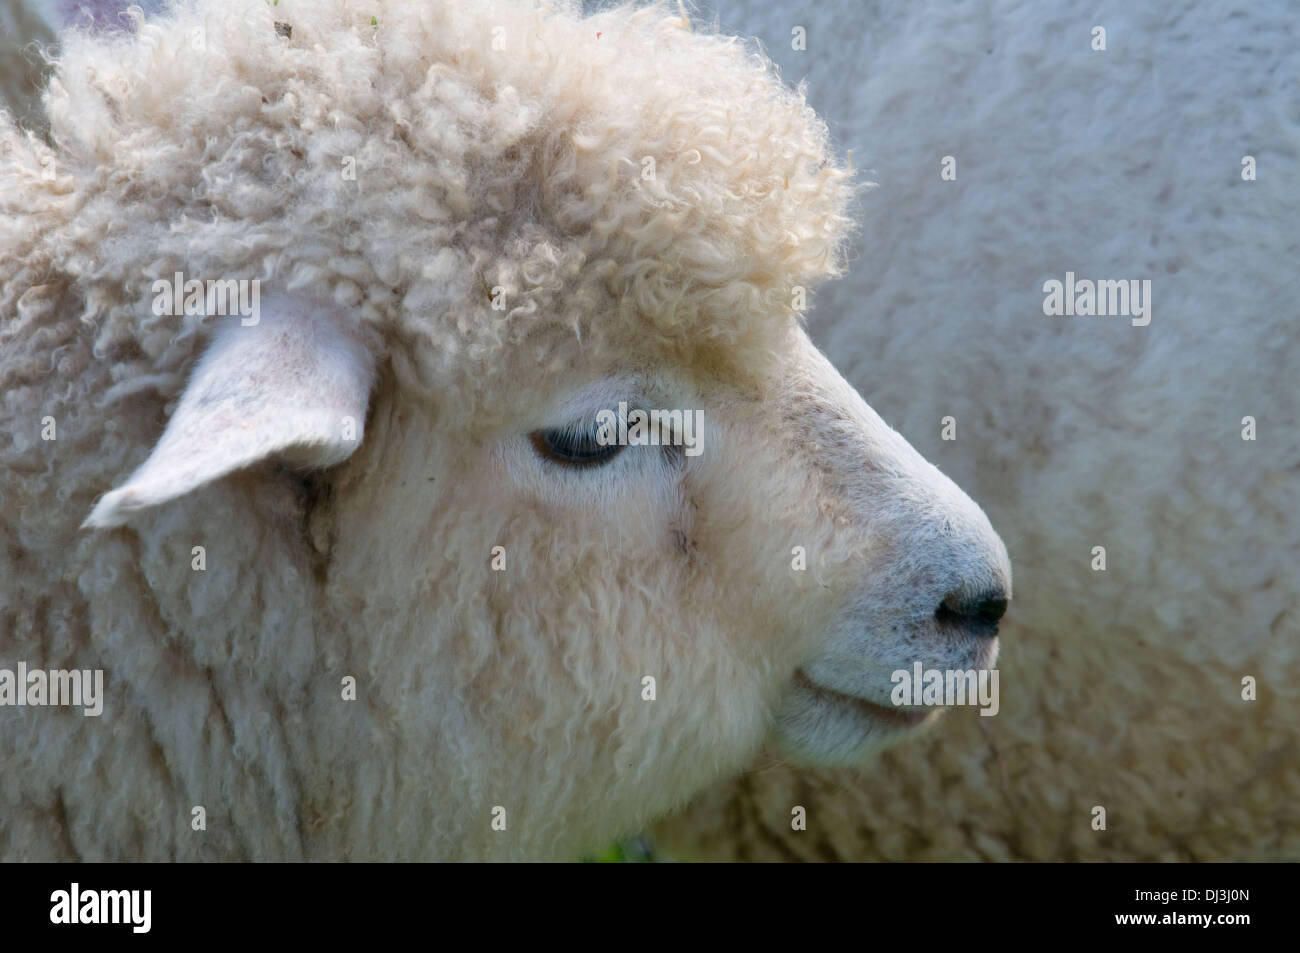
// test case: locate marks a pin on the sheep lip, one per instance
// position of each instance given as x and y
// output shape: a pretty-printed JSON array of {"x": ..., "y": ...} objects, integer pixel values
[{"x": 899, "y": 717}]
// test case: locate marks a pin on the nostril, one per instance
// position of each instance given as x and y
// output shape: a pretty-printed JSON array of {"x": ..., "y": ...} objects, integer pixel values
[
  {"x": 981, "y": 613},
  {"x": 991, "y": 610}
]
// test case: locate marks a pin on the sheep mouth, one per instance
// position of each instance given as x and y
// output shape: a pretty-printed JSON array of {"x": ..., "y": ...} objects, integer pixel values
[{"x": 890, "y": 715}]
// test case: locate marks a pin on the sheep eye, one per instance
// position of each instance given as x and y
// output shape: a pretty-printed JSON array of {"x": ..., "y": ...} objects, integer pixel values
[{"x": 573, "y": 447}]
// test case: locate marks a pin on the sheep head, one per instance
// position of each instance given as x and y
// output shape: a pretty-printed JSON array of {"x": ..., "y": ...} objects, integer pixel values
[{"x": 579, "y": 634}]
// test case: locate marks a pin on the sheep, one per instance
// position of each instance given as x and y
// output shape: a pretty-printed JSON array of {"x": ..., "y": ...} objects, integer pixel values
[
  {"x": 306, "y": 312},
  {"x": 1170, "y": 155}
]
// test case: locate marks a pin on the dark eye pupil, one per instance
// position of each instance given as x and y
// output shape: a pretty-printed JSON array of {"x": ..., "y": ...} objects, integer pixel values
[{"x": 573, "y": 447}]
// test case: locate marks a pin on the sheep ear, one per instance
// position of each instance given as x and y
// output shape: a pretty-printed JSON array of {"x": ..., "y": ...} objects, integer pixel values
[{"x": 295, "y": 386}]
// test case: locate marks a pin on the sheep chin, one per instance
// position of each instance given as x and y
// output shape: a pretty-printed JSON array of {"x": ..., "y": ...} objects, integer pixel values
[{"x": 821, "y": 726}]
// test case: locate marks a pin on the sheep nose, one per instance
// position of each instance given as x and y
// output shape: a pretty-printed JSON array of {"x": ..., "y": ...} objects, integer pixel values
[{"x": 977, "y": 613}]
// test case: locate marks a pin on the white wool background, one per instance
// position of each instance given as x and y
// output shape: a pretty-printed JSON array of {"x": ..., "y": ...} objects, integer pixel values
[
  {"x": 24, "y": 27},
  {"x": 1121, "y": 688}
]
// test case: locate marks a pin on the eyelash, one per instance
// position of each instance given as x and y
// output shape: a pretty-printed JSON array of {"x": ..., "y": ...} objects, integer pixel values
[{"x": 573, "y": 446}]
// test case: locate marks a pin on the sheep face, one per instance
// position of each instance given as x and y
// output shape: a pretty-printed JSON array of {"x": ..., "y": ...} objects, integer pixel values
[
  {"x": 516, "y": 589},
  {"x": 647, "y": 613}
]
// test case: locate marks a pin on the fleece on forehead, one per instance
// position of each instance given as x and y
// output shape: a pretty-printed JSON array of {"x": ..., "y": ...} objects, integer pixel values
[{"x": 465, "y": 176}]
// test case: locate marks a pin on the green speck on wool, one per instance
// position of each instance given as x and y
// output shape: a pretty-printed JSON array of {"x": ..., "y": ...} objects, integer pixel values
[{"x": 634, "y": 850}]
